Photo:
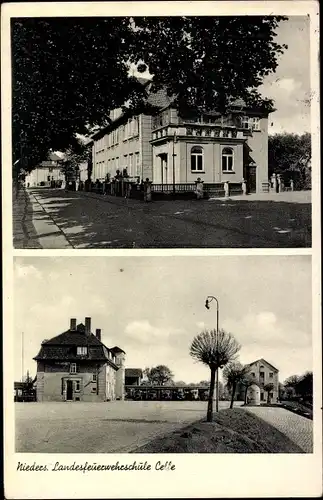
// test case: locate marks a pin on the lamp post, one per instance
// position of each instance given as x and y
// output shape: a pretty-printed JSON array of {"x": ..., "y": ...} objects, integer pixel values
[
  {"x": 174, "y": 140},
  {"x": 209, "y": 299}
]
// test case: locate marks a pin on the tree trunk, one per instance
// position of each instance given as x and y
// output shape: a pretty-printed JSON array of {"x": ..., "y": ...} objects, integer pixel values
[
  {"x": 245, "y": 395},
  {"x": 209, "y": 415},
  {"x": 217, "y": 391},
  {"x": 232, "y": 395}
]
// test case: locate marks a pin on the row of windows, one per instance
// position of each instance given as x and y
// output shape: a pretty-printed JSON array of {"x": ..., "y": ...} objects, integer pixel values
[
  {"x": 123, "y": 133},
  {"x": 130, "y": 162},
  {"x": 197, "y": 159},
  {"x": 245, "y": 122},
  {"x": 74, "y": 369},
  {"x": 262, "y": 374},
  {"x": 83, "y": 351}
]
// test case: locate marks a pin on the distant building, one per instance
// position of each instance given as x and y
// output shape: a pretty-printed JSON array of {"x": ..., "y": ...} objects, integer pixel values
[
  {"x": 168, "y": 145},
  {"x": 77, "y": 366},
  {"x": 24, "y": 391},
  {"x": 46, "y": 172},
  {"x": 133, "y": 376},
  {"x": 263, "y": 373}
]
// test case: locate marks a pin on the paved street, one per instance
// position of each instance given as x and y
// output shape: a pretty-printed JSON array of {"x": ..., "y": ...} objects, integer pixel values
[
  {"x": 59, "y": 219},
  {"x": 298, "y": 429},
  {"x": 117, "y": 426}
]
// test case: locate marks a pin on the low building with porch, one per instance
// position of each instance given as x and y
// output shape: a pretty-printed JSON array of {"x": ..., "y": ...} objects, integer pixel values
[
  {"x": 173, "y": 147},
  {"x": 77, "y": 366},
  {"x": 133, "y": 376}
]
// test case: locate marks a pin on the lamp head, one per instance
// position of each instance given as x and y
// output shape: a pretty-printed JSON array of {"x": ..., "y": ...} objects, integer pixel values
[{"x": 207, "y": 304}]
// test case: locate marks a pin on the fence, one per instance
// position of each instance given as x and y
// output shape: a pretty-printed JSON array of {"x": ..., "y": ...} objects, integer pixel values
[{"x": 165, "y": 191}]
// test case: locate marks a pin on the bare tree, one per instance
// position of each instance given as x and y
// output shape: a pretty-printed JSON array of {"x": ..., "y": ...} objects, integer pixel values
[
  {"x": 235, "y": 373},
  {"x": 214, "y": 349}
]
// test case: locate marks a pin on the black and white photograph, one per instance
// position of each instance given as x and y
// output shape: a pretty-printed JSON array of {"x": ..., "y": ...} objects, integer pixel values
[
  {"x": 156, "y": 355},
  {"x": 161, "y": 132},
  {"x": 161, "y": 249}
]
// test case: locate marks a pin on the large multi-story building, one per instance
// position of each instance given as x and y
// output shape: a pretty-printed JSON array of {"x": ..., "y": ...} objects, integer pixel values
[
  {"x": 170, "y": 146},
  {"x": 77, "y": 366}
]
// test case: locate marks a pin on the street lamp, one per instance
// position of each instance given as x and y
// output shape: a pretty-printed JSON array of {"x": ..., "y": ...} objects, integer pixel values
[
  {"x": 174, "y": 140},
  {"x": 209, "y": 299}
]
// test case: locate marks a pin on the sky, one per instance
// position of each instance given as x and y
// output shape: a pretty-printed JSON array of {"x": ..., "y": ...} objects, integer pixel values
[
  {"x": 289, "y": 86},
  {"x": 152, "y": 307}
]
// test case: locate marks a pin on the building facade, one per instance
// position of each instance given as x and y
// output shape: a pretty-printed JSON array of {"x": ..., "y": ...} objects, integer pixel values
[
  {"x": 173, "y": 147},
  {"x": 46, "y": 172},
  {"x": 77, "y": 366},
  {"x": 263, "y": 373}
]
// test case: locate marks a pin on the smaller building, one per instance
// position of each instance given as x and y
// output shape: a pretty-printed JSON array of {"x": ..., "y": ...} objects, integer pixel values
[
  {"x": 47, "y": 173},
  {"x": 263, "y": 375},
  {"x": 24, "y": 392},
  {"x": 133, "y": 376}
]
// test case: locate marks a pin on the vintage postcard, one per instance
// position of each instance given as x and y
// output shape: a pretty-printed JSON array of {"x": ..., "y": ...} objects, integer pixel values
[{"x": 161, "y": 201}]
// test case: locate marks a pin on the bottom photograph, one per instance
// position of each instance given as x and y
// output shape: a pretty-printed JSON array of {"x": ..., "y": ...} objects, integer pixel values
[{"x": 163, "y": 354}]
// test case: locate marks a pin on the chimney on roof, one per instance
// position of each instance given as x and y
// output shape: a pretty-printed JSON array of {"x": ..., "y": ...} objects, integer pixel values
[
  {"x": 87, "y": 326},
  {"x": 73, "y": 324},
  {"x": 98, "y": 334}
]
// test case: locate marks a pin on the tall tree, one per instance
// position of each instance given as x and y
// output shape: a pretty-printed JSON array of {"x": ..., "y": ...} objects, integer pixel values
[
  {"x": 235, "y": 373},
  {"x": 290, "y": 155},
  {"x": 159, "y": 375},
  {"x": 68, "y": 73},
  {"x": 214, "y": 349},
  {"x": 304, "y": 386}
]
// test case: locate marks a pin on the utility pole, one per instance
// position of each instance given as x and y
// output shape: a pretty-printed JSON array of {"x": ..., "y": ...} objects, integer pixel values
[
  {"x": 174, "y": 140},
  {"x": 22, "y": 356}
]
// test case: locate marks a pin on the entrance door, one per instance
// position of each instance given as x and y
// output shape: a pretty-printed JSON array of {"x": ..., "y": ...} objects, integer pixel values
[
  {"x": 251, "y": 179},
  {"x": 163, "y": 166},
  {"x": 69, "y": 390}
]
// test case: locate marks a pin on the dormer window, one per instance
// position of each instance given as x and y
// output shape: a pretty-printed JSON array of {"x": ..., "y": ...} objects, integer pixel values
[{"x": 81, "y": 351}]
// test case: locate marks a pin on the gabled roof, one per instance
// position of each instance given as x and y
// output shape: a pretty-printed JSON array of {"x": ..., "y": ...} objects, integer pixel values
[
  {"x": 63, "y": 347},
  {"x": 133, "y": 372},
  {"x": 74, "y": 337},
  {"x": 262, "y": 360}
]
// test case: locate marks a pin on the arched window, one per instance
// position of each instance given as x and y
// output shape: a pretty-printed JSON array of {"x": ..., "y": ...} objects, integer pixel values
[
  {"x": 227, "y": 160},
  {"x": 197, "y": 159}
]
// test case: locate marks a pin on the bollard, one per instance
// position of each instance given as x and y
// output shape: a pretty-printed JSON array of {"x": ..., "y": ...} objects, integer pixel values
[
  {"x": 244, "y": 187},
  {"x": 226, "y": 189}
]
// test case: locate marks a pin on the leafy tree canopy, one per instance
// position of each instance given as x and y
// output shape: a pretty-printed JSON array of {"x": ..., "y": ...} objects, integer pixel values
[
  {"x": 159, "y": 375},
  {"x": 290, "y": 154},
  {"x": 68, "y": 73}
]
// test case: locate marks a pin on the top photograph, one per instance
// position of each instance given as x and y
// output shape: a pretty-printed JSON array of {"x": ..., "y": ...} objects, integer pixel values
[{"x": 161, "y": 132}]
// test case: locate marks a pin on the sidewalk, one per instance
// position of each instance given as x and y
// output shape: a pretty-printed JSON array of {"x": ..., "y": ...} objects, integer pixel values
[
  {"x": 32, "y": 226},
  {"x": 286, "y": 196},
  {"x": 298, "y": 429}
]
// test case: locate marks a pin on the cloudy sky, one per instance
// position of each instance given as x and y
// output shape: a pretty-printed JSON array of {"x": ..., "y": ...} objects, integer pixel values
[
  {"x": 153, "y": 306},
  {"x": 289, "y": 86}
]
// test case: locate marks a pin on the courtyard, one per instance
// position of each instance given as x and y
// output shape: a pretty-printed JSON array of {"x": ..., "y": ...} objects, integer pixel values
[
  {"x": 113, "y": 427},
  {"x": 125, "y": 426}
]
